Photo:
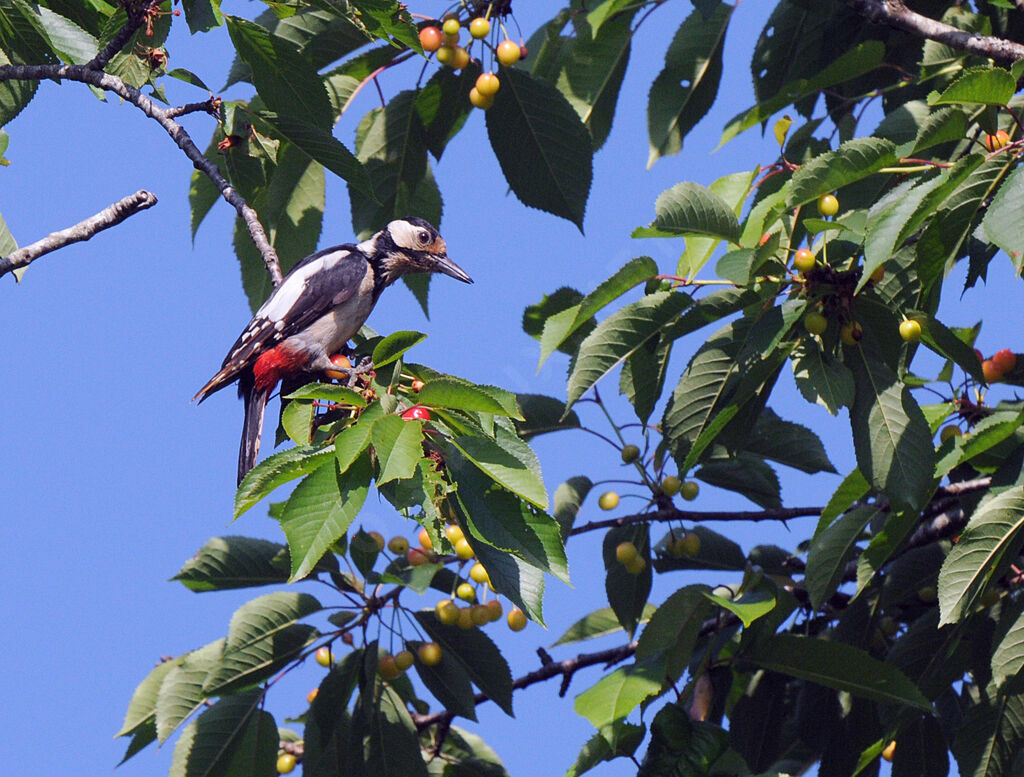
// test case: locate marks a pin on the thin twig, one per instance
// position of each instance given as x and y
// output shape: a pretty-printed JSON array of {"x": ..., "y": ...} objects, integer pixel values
[
  {"x": 165, "y": 118},
  {"x": 671, "y": 514},
  {"x": 83, "y": 230}
]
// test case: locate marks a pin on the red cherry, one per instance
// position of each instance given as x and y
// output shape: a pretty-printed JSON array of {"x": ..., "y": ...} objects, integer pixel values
[
  {"x": 1005, "y": 359},
  {"x": 416, "y": 412},
  {"x": 430, "y": 38},
  {"x": 991, "y": 371}
]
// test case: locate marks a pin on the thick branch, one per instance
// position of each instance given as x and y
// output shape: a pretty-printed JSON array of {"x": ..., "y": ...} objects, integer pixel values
[
  {"x": 671, "y": 514},
  {"x": 136, "y": 16},
  {"x": 550, "y": 669},
  {"x": 895, "y": 14},
  {"x": 164, "y": 117},
  {"x": 106, "y": 218}
]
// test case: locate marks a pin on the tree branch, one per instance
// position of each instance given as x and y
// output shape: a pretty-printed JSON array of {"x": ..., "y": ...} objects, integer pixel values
[
  {"x": 548, "y": 670},
  {"x": 136, "y": 16},
  {"x": 694, "y": 516},
  {"x": 106, "y": 218},
  {"x": 165, "y": 118},
  {"x": 895, "y": 14}
]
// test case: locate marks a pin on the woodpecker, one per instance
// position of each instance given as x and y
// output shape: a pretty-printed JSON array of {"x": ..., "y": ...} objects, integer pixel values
[{"x": 317, "y": 308}]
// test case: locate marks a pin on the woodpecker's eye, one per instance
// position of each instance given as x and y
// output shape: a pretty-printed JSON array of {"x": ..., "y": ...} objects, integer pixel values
[{"x": 423, "y": 237}]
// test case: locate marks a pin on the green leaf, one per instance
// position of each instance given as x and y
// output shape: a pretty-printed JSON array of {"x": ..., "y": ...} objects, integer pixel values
[
  {"x": 685, "y": 89},
  {"x": 542, "y": 414},
  {"x": 745, "y": 474},
  {"x": 852, "y": 161},
  {"x": 822, "y": 379},
  {"x": 890, "y": 434},
  {"x": 682, "y": 746},
  {"x": 592, "y": 73},
  {"x": 202, "y": 15},
  {"x": 619, "y": 335},
  {"x": 329, "y": 392},
  {"x": 542, "y": 146},
  {"x": 275, "y": 471},
  {"x": 394, "y": 345},
  {"x": 393, "y": 749},
  {"x": 569, "y": 498},
  {"x": 690, "y": 209},
  {"x": 839, "y": 666},
  {"x": 853, "y": 488},
  {"x": 320, "y": 510},
  {"x": 617, "y": 694},
  {"x": 142, "y": 707},
  {"x": 518, "y": 580},
  {"x": 443, "y": 106},
  {"x": 599, "y": 623},
  {"x": 989, "y": 543},
  {"x": 286, "y": 82},
  {"x": 749, "y": 606},
  {"x": 181, "y": 692},
  {"x": 233, "y": 738},
  {"x": 1003, "y": 222},
  {"x": 449, "y": 682},
  {"x": 224, "y": 563},
  {"x": 355, "y": 439},
  {"x": 627, "y": 593},
  {"x": 597, "y": 749},
  {"x": 558, "y": 328},
  {"x": 830, "y": 551},
  {"x": 1007, "y": 652},
  {"x": 733, "y": 189},
  {"x": 258, "y": 658},
  {"x": 73, "y": 44},
  {"x": 479, "y": 656},
  {"x": 787, "y": 443},
  {"x": 989, "y": 740},
  {"x": 462, "y": 395},
  {"x": 319, "y": 145},
  {"x": 978, "y": 86},
  {"x": 717, "y": 552},
  {"x": 509, "y": 461},
  {"x": 674, "y": 628},
  {"x": 398, "y": 445}
]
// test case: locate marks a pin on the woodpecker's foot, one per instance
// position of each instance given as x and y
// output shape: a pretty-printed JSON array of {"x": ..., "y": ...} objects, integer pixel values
[{"x": 365, "y": 365}]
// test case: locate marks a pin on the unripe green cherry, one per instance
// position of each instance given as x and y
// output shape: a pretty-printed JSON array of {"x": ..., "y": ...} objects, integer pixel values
[
  {"x": 630, "y": 453},
  {"x": 625, "y": 552},
  {"x": 671, "y": 485},
  {"x": 804, "y": 261},
  {"x": 689, "y": 490},
  {"x": 828, "y": 205},
  {"x": 815, "y": 322},
  {"x": 609, "y": 500},
  {"x": 910, "y": 330}
]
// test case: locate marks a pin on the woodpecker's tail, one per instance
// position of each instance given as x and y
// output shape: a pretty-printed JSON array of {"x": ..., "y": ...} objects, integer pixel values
[{"x": 252, "y": 427}]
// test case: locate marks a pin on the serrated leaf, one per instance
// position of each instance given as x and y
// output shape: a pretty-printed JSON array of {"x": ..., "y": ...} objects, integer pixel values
[
  {"x": 619, "y": 335},
  {"x": 978, "y": 86},
  {"x": 733, "y": 189},
  {"x": 839, "y": 666},
  {"x": 568, "y": 499},
  {"x": 476, "y": 652},
  {"x": 181, "y": 692},
  {"x": 232, "y": 738},
  {"x": 690, "y": 209},
  {"x": 749, "y": 606},
  {"x": 398, "y": 445},
  {"x": 542, "y": 414},
  {"x": 627, "y": 592},
  {"x": 1008, "y": 650},
  {"x": 686, "y": 87},
  {"x": 275, "y": 471},
  {"x": 852, "y": 161},
  {"x": 328, "y": 392},
  {"x": 822, "y": 379},
  {"x": 617, "y": 694},
  {"x": 626, "y": 736},
  {"x": 599, "y": 623},
  {"x": 461, "y": 395},
  {"x": 234, "y": 562},
  {"x": 1003, "y": 223},
  {"x": 320, "y": 510},
  {"x": 449, "y": 682},
  {"x": 987, "y": 545},
  {"x": 830, "y": 551},
  {"x": 258, "y": 658},
  {"x": 558, "y": 328},
  {"x": 890, "y": 434},
  {"x": 519, "y": 581},
  {"x": 509, "y": 461},
  {"x": 394, "y": 345},
  {"x": 142, "y": 707},
  {"x": 674, "y": 628},
  {"x": 287, "y": 83},
  {"x": 745, "y": 474},
  {"x": 788, "y": 443},
  {"x": 542, "y": 146}
]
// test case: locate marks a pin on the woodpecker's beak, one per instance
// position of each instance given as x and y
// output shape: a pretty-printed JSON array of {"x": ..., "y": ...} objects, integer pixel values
[{"x": 448, "y": 267}]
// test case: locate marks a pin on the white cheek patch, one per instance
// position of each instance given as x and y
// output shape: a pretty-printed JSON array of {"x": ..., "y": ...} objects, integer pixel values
[{"x": 404, "y": 234}]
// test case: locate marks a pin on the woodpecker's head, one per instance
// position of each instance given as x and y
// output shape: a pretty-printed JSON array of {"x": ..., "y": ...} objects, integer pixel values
[{"x": 412, "y": 245}]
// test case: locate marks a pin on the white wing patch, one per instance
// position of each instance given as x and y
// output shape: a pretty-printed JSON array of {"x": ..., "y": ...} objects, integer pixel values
[{"x": 284, "y": 297}]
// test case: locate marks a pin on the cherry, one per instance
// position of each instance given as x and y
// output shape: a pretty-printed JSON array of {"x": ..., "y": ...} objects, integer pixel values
[
  {"x": 609, "y": 500},
  {"x": 488, "y": 84},
  {"x": 399, "y": 545},
  {"x": 927, "y": 594},
  {"x": 311, "y": 696},
  {"x": 636, "y": 566},
  {"x": 404, "y": 660},
  {"x": 625, "y": 552},
  {"x": 480, "y": 614},
  {"x": 424, "y": 538},
  {"x": 690, "y": 490},
  {"x": 991, "y": 371},
  {"x": 478, "y": 573},
  {"x": 878, "y": 274},
  {"x": 451, "y": 27},
  {"x": 429, "y": 653},
  {"x": 447, "y": 612},
  {"x": 479, "y": 27},
  {"x": 630, "y": 453},
  {"x": 417, "y": 413},
  {"x": 460, "y": 58},
  {"x": 949, "y": 432},
  {"x": 851, "y": 333},
  {"x": 671, "y": 485},
  {"x": 828, "y": 205},
  {"x": 687, "y": 545},
  {"x": 323, "y": 656},
  {"x": 466, "y": 592},
  {"x": 804, "y": 261},
  {"x": 417, "y": 557},
  {"x": 815, "y": 322},
  {"x": 387, "y": 667},
  {"x": 516, "y": 619},
  {"x": 339, "y": 360},
  {"x": 910, "y": 330},
  {"x": 995, "y": 142},
  {"x": 417, "y": 385},
  {"x": 508, "y": 52},
  {"x": 1005, "y": 360},
  {"x": 379, "y": 539},
  {"x": 494, "y": 607},
  {"x": 463, "y": 549},
  {"x": 430, "y": 38},
  {"x": 889, "y": 751},
  {"x": 445, "y": 54},
  {"x": 285, "y": 763},
  {"x": 480, "y": 100},
  {"x": 454, "y": 533}
]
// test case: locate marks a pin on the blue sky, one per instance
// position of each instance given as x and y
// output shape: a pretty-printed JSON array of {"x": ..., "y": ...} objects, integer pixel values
[{"x": 114, "y": 478}]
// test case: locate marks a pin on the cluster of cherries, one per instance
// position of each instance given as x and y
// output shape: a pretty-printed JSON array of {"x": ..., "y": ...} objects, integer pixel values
[{"x": 443, "y": 43}]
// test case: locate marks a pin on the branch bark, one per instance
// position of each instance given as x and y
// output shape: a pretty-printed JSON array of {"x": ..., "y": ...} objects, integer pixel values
[
  {"x": 165, "y": 118},
  {"x": 83, "y": 230},
  {"x": 895, "y": 14}
]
